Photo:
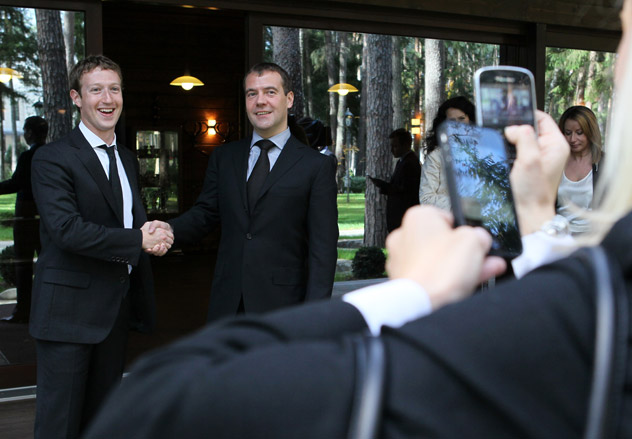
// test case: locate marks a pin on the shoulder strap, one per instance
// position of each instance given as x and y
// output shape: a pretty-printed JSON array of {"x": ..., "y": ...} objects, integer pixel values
[{"x": 611, "y": 327}]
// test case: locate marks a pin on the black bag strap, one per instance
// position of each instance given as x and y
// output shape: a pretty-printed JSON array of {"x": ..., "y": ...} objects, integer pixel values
[
  {"x": 611, "y": 327},
  {"x": 369, "y": 388}
]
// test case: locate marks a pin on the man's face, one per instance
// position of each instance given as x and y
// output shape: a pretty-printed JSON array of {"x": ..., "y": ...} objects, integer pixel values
[
  {"x": 100, "y": 101},
  {"x": 397, "y": 149},
  {"x": 267, "y": 104}
]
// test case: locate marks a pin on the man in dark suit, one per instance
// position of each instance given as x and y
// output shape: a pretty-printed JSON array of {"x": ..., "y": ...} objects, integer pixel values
[
  {"x": 25, "y": 227},
  {"x": 277, "y": 210},
  {"x": 402, "y": 191},
  {"x": 92, "y": 279}
]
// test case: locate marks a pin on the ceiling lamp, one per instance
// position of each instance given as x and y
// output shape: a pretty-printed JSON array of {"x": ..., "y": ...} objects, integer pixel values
[
  {"x": 342, "y": 89},
  {"x": 186, "y": 82},
  {"x": 6, "y": 74}
]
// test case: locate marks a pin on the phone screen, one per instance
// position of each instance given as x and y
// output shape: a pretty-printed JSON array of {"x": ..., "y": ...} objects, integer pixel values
[
  {"x": 477, "y": 169},
  {"x": 505, "y": 97}
]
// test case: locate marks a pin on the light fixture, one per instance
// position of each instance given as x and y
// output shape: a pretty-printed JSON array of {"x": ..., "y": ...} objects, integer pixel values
[
  {"x": 210, "y": 127},
  {"x": 415, "y": 124},
  {"x": 186, "y": 82},
  {"x": 6, "y": 74},
  {"x": 342, "y": 89}
]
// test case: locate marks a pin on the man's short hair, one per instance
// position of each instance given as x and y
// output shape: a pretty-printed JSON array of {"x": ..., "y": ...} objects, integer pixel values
[
  {"x": 88, "y": 64},
  {"x": 403, "y": 137},
  {"x": 263, "y": 67},
  {"x": 37, "y": 126}
]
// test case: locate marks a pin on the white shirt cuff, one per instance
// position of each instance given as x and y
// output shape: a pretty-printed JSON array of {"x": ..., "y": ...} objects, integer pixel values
[
  {"x": 391, "y": 303},
  {"x": 538, "y": 249}
]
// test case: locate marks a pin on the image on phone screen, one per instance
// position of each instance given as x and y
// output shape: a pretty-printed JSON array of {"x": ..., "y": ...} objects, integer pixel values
[{"x": 477, "y": 169}]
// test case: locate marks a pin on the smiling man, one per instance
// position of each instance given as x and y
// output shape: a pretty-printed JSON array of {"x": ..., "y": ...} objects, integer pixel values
[
  {"x": 275, "y": 199},
  {"x": 92, "y": 279}
]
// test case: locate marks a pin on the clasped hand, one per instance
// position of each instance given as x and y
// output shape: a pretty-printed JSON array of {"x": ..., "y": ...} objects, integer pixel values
[{"x": 157, "y": 237}]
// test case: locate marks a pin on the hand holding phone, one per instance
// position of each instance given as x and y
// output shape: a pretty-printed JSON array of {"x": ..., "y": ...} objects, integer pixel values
[
  {"x": 477, "y": 170},
  {"x": 505, "y": 95}
]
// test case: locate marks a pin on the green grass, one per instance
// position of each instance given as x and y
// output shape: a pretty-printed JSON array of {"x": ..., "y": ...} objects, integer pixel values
[
  {"x": 7, "y": 209},
  {"x": 347, "y": 253},
  {"x": 351, "y": 214}
]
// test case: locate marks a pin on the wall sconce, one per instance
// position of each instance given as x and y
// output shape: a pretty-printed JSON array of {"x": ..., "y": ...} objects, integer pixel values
[
  {"x": 6, "y": 74},
  {"x": 416, "y": 126},
  {"x": 186, "y": 82},
  {"x": 342, "y": 89},
  {"x": 207, "y": 133}
]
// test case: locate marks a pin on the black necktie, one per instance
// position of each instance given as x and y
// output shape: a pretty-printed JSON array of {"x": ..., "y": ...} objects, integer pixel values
[
  {"x": 259, "y": 172},
  {"x": 115, "y": 182}
]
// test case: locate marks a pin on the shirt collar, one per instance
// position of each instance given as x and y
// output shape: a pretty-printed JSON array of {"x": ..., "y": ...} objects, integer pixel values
[
  {"x": 279, "y": 140},
  {"x": 94, "y": 140}
]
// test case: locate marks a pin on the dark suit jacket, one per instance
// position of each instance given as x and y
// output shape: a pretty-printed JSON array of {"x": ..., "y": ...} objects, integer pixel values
[
  {"x": 403, "y": 190},
  {"x": 82, "y": 273},
  {"x": 281, "y": 253},
  {"x": 515, "y": 361}
]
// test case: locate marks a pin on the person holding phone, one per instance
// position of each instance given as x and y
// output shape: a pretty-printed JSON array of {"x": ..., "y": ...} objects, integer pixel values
[
  {"x": 433, "y": 189},
  {"x": 580, "y": 127}
]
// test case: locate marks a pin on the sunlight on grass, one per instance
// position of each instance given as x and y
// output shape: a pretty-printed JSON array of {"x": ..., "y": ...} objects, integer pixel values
[
  {"x": 7, "y": 208},
  {"x": 351, "y": 214}
]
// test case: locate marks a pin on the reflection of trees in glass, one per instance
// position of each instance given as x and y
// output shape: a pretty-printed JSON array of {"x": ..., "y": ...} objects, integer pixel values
[{"x": 483, "y": 184}]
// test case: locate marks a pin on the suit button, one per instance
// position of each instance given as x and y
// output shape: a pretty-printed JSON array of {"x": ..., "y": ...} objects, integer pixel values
[
  {"x": 122, "y": 279},
  {"x": 248, "y": 236}
]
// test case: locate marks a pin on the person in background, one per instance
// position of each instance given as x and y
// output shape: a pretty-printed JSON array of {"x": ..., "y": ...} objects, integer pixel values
[
  {"x": 433, "y": 189},
  {"x": 26, "y": 240},
  {"x": 575, "y": 192},
  {"x": 401, "y": 190}
]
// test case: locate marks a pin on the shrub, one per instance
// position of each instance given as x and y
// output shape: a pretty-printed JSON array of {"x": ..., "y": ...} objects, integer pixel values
[
  {"x": 368, "y": 263},
  {"x": 358, "y": 185},
  {"x": 7, "y": 265}
]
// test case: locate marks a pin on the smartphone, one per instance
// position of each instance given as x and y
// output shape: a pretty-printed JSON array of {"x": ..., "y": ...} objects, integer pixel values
[
  {"x": 477, "y": 170},
  {"x": 505, "y": 95}
]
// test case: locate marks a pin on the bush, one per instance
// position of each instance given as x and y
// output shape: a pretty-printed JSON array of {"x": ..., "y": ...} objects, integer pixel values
[
  {"x": 358, "y": 185},
  {"x": 368, "y": 263},
  {"x": 7, "y": 265}
]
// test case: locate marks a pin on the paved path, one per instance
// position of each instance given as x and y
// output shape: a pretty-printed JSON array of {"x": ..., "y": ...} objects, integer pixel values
[{"x": 341, "y": 288}]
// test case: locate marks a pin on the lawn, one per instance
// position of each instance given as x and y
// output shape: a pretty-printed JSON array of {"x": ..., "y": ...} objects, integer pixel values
[
  {"x": 350, "y": 214},
  {"x": 7, "y": 208}
]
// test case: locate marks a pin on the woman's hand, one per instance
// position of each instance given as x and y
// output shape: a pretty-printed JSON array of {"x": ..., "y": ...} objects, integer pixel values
[
  {"x": 537, "y": 171},
  {"x": 447, "y": 262}
]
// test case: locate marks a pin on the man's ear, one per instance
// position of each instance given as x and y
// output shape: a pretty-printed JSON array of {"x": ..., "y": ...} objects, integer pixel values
[
  {"x": 290, "y": 99},
  {"x": 76, "y": 97}
]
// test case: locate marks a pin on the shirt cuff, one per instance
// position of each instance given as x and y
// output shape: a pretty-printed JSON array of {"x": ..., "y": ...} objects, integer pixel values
[
  {"x": 538, "y": 249},
  {"x": 391, "y": 303}
]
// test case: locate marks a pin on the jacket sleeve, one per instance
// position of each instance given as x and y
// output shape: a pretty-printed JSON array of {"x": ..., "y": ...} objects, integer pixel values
[
  {"x": 322, "y": 229},
  {"x": 204, "y": 216},
  {"x": 432, "y": 188}
]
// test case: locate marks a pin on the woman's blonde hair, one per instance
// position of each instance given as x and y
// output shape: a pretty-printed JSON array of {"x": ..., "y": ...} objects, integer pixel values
[
  {"x": 613, "y": 194},
  {"x": 588, "y": 123}
]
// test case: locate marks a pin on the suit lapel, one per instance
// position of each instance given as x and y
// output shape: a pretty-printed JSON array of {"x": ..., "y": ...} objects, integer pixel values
[
  {"x": 291, "y": 153},
  {"x": 86, "y": 154}
]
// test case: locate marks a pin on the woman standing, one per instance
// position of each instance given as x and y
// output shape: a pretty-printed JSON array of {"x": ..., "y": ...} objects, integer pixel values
[
  {"x": 575, "y": 192},
  {"x": 433, "y": 188}
]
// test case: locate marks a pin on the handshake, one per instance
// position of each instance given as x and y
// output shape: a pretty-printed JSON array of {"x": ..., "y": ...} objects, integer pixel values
[{"x": 157, "y": 237}]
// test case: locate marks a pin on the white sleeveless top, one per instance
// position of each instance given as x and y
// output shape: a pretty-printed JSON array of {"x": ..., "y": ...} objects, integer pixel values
[{"x": 576, "y": 193}]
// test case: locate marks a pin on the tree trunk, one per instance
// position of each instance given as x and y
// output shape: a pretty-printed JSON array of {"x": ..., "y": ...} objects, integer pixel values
[
  {"x": 592, "y": 71},
  {"x": 343, "y": 157},
  {"x": 2, "y": 138},
  {"x": 286, "y": 52},
  {"x": 417, "y": 91},
  {"x": 14, "y": 127},
  {"x": 362, "y": 127},
  {"x": 306, "y": 72},
  {"x": 379, "y": 116},
  {"x": 580, "y": 89},
  {"x": 398, "y": 108},
  {"x": 434, "y": 84},
  {"x": 50, "y": 42},
  {"x": 330, "y": 61},
  {"x": 69, "y": 38}
]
